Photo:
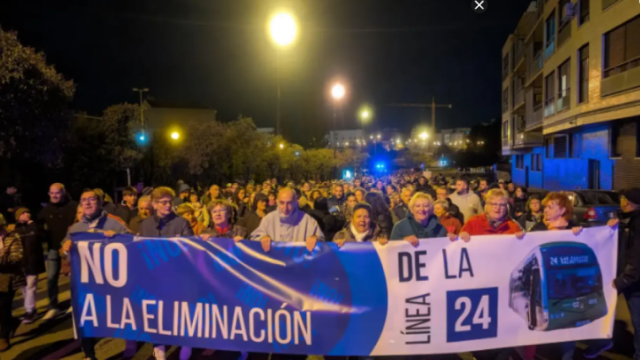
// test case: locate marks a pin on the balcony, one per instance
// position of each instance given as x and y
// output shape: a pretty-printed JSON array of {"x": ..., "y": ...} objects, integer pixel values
[
  {"x": 565, "y": 33},
  {"x": 528, "y": 139},
  {"x": 622, "y": 77},
  {"x": 519, "y": 51},
  {"x": 518, "y": 98},
  {"x": 551, "y": 48},
  {"x": 607, "y": 3},
  {"x": 535, "y": 8},
  {"x": 535, "y": 67},
  {"x": 549, "y": 107},
  {"x": 534, "y": 118},
  {"x": 564, "y": 100}
]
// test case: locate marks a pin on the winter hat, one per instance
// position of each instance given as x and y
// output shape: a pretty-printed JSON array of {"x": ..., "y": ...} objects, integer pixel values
[
  {"x": 183, "y": 188},
  {"x": 632, "y": 194},
  {"x": 21, "y": 211}
]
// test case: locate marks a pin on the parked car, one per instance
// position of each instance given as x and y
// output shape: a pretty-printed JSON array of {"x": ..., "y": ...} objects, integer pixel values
[{"x": 594, "y": 207}]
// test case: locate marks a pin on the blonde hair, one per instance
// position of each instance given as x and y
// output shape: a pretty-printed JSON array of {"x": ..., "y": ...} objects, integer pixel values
[
  {"x": 443, "y": 203},
  {"x": 420, "y": 195},
  {"x": 496, "y": 193},
  {"x": 185, "y": 208},
  {"x": 145, "y": 198},
  {"x": 161, "y": 192}
]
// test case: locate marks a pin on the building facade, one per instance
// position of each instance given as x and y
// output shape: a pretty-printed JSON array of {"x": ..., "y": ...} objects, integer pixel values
[
  {"x": 571, "y": 95},
  {"x": 456, "y": 139},
  {"x": 346, "y": 138}
]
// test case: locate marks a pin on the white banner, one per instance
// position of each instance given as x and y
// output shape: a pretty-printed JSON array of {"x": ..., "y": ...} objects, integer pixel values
[{"x": 498, "y": 291}]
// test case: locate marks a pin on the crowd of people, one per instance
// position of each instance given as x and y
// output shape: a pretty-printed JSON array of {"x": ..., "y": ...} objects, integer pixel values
[{"x": 405, "y": 206}]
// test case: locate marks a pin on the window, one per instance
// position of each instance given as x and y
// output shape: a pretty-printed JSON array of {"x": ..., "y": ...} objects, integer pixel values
[
  {"x": 519, "y": 161},
  {"x": 550, "y": 29},
  {"x": 505, "y": 100},
  {"x": 563, "y": 86},
  {"x": 614, "y": 134},
  {"x": 576, "y": 145},
  {"x": 549, "y": 93},
  {"x": 584, "y": 12},
  {"x": 505, "y": 66},
  {"x": 622, "y": 48},
  {"x": 536, "y": 162},
  {"x": 583, "y": 74},
  {"x": 505, "y": 129},
  {"x": 548, "y": 147},
  {"x": 560, "y": 143}
]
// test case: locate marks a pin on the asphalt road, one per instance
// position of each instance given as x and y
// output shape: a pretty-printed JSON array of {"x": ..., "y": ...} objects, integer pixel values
[{"x": 55, "y": 339}]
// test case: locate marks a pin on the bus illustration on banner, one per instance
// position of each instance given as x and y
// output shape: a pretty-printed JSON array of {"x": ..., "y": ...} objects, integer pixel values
[{"x": 558, "y": 285}]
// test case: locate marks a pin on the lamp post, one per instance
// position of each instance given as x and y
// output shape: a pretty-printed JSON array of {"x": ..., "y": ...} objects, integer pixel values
[
  {"x": 337, "y": 93},
  {"x": 283, "y": 30}
]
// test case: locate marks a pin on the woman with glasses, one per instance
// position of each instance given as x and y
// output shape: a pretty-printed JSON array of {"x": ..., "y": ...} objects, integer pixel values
[{"x": 221, "y": 225}]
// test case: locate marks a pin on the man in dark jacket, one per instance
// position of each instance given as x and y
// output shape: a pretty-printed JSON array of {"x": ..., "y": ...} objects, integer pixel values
[
  {"x": 400, "y": 211},
  {"x": 128, "y": 210},
  {"x": 628, "y": 281},
  {"x": 54, "y": 221},
  {"x": 164, "y": 222},
  {"x": 337, "y": 200}
]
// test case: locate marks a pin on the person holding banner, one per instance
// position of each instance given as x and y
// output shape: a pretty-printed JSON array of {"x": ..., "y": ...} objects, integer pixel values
[
  {"x": 360, "y": 228},
  {"x": 494, "y": 221},
  {"x": 221, "y": 224},
  {"x": 165, "y": 223},
  {"x": 420, "y": 223},
  {"x": 96, "y": 219},
  {"x": 287, "y": 224}
]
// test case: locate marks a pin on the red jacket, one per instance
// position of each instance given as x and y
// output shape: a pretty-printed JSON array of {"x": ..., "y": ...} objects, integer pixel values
[{"x": 479, "y": 225}]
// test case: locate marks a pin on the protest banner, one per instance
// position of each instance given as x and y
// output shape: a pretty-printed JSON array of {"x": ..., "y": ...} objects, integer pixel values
[{"x": 361, "y": 299}]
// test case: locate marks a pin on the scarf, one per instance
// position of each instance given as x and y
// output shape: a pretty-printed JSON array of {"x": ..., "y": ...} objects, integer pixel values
[{"x": 358, "y": 236}]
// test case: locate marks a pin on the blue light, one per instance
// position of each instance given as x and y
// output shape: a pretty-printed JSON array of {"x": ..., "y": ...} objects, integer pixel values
[
  {"x": 347, "y": 174},
  {"x": 141, "y": 138}
]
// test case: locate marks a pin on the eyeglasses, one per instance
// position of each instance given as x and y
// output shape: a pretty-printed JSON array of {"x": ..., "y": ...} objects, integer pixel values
[
  {"x": 88, "y": 200},
  {"x": 498, "y": 205}
]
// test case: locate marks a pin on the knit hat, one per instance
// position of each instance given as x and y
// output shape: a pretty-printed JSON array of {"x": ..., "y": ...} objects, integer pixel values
[
  {"x": 632, "y": 194},
  {"x": 183, "y": 188},
  {"x": 21, "y": 211}
]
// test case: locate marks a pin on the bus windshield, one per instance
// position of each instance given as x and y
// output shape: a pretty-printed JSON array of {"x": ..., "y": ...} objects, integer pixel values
[{"x": 573, "y": 282}]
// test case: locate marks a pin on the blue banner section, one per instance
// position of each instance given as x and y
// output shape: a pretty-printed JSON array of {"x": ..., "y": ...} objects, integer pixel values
[{"x": 221, "y": 295}]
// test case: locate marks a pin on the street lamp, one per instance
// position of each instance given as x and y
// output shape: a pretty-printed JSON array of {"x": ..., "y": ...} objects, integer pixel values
[
  {"x": 337, "y": 92},
  {"x": 423, "y": 135},
  {"x": 175, "y": 135},
  {"x": 283, "y": 31},
  {"x": 281, "y": 146}
]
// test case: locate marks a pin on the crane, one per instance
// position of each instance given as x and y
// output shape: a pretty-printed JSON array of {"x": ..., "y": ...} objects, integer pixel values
[{"x": 433, "y": 107}]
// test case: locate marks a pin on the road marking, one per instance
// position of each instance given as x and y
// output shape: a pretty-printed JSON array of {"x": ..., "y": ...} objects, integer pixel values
[{"x": 65, "y": 350}]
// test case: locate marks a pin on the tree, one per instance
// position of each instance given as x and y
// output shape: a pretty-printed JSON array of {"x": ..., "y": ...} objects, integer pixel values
[{"x": 34, "y": 99}]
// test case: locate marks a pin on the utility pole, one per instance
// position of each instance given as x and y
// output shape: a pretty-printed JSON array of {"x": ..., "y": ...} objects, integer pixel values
[{"x": 141, "y": 90}]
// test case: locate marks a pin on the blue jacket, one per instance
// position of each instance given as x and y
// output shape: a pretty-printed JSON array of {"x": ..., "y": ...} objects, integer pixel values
[{"x": 409, "y": 226}]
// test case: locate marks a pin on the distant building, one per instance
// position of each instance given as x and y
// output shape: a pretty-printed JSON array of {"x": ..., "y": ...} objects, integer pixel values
[
  {"x": 267, "y": 130},
  {"x": 571, "y": 95},
  {"x": 346, "y": 138},
  {"x": 165, "y": 115},
  {"x": 456, "y": 139}
]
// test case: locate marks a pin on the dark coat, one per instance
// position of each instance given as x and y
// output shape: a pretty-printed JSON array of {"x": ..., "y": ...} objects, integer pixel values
[
  {"x": 54, "y": 221},
  {"x": 400, "y": 212},
  {"x": 519, "y": 206},
  {"x": 385, "y": 223},
  {"x": 234, "y": 230},
  {"x": 134, "y": 225},
  {"x": 110, "y": 208},
  {"x": 33, "y": 255},
  {"x": 628, "y": 281},
  {"x": 171, "y": 225},
  {"x": 250, "y": 221},
  {"x": 541, "y": 226},
  {"x": 125, "y": 213},
  {"x": 528, "y": 220},
  {"x": 454, "y": 211},
  {"x": 347, "y": 235},
  {"x": 335, "y": 202},
  {"x": 410, "y": 226}
]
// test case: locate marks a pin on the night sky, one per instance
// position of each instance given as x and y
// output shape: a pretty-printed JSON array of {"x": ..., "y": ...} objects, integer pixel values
[{"x": 217, "y": 53}]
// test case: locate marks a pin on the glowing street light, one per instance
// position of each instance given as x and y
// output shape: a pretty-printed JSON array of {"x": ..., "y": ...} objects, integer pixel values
[
  {"x": 283, "y": 29},
  {"x": 175, "y": 135},
  {"x": 423, "y": 135},
  {"x": 378, "y": 136},
  {"x": 337, "y": 92},
  {"x": 281, "y": 146}
]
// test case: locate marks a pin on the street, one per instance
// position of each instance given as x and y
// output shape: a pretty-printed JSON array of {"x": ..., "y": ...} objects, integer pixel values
[{"x": 55, "y": 340}]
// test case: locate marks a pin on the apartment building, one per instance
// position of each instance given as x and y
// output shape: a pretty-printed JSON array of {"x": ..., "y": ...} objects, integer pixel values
[
  {"x": 571, "y": 95},
  {"x": 346, "y": 138},
  {"x": 456, "y": 139}
]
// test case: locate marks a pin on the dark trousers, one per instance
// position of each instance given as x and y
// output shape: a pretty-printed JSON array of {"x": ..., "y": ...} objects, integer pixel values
[
  {"x": 6, "y": 319},
  {"x": 88, "y": 346},
  {"x": 494, "y": 354},
  {"x": 633, "y": 301},
  {"x": 53, "y": 274}
]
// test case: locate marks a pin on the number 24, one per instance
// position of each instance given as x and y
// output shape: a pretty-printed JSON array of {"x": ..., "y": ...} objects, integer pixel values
[{"x": 481, "y": 315}]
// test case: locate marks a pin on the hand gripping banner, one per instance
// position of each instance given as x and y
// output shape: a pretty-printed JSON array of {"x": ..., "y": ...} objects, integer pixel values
[{"x": 361, "y": 299}]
